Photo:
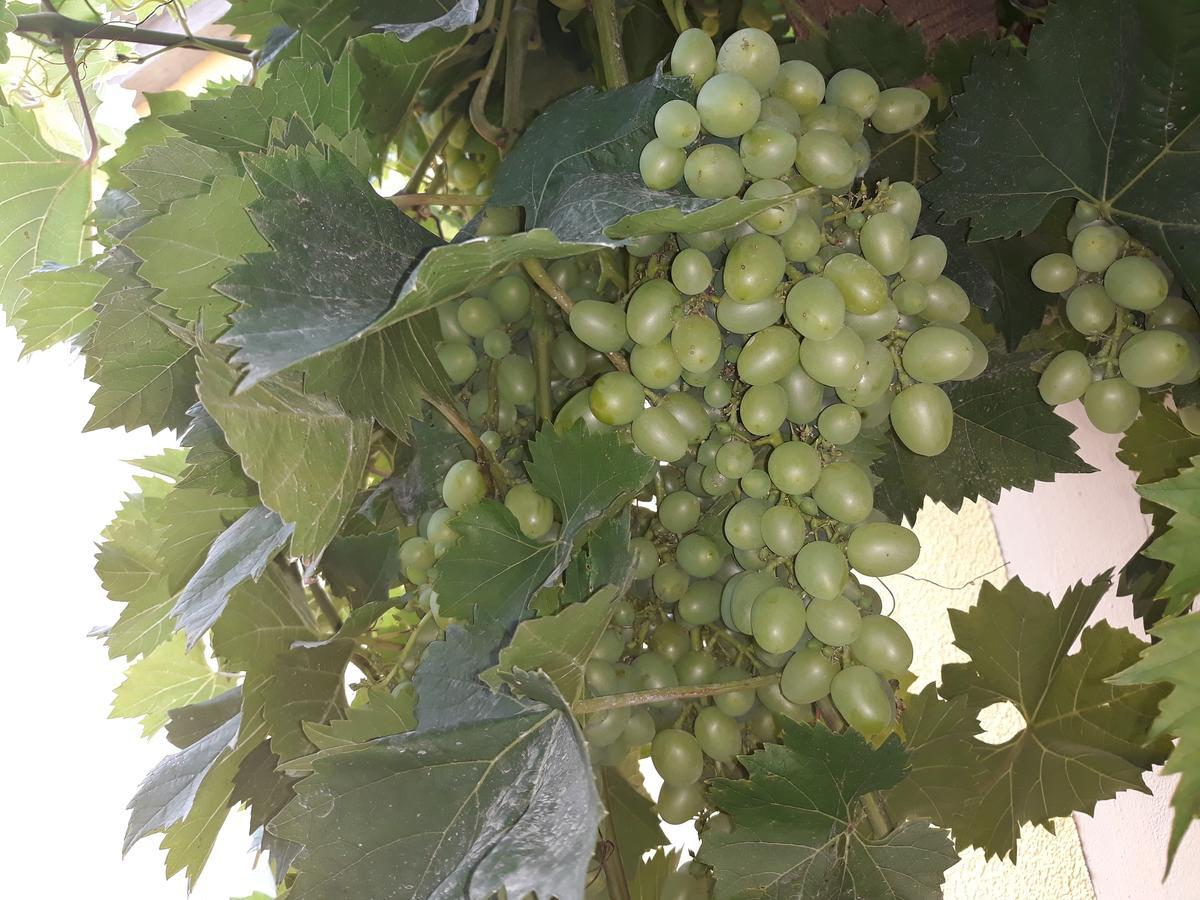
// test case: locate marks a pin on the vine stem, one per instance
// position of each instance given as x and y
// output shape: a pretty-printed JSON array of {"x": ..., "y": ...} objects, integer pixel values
[
  {"x": 542, "y": 337},
  {"x": 542, "y": 279},
  {"x": 408, "y": 201},
  {"x": 612, "y": 55},
  {"x": 614, "y": 870},
  {"x": 68, "y": 51},
  {"x": 494, "y": 473},
  {"x": 413, "y": 186},
  {"x": 59, "y": 26},
  {"x": 877, "y": 814},
  {"x": 520, "y": 29},
  {"x": 479, "y": 119},
  {"x": 657, "y": 695}
]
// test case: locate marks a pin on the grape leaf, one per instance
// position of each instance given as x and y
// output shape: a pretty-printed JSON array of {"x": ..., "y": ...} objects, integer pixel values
[
  {"x": 241, "y": 553},
  {"x": 380, "y": 715},
  {"x": 1102, "y": 107},
  {"x": 394, "y": 72},
  {"x": 422, "y": 15},
  {"x": 1005, "y": 436},
  {"x": 55, "y": 304},
  {"x": 44, "y": 196},
  {"x": 8, "y": 24},
  {"x": 263, "y": 618},
  {"x": 1156, "y": 445},
  {"x": 419, "y": 468},
  {"x": 795, "y": 831},
  {"x": 306, "y": 453},
  {"x": 449, "y": 691},
  {"x": 477, "y": 797},
  {"x": 168, "y": 677},
  {"x": 1178, "y": 544},
  {"x": 305, "y": 684},
  {"x": 648, "y": 876},
  {"x": 188, "y": 724},
  {"x": 635, "y": 819},
  {"x": 1084, "y": 740},
  {"x": 1172, "y": 659},
  {"x": 878, "y": 45},
  {"x": 362, "y": 567},
  {"x": 175, "y": 170}
]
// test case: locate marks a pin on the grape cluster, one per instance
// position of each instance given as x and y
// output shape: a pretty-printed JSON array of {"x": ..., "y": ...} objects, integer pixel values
[{"x": 1118, "y": 295}]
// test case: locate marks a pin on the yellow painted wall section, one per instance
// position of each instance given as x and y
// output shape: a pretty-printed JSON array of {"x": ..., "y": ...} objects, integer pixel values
[{"x": 956, "y": 550}]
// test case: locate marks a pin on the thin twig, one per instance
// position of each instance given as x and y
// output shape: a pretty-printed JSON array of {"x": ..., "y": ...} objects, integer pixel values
[
  {"x": 479, "y": 119},
  {"x": 493, "y": 471},
  {"x": 659, "y": 695},
  {"x": 60, "y": 26},
  {"x": 542, "y": 279},
  {"x": 520, "y": 27},
  {"x": 68, "y": 52},
  {"x": 408, "y": 201},
  {"x": 435, "y": 147},
  {"x": 541, "y": 338}
]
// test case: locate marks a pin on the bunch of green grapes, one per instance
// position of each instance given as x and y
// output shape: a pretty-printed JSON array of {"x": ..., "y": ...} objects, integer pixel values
[{"x": 1118, "y": 295}]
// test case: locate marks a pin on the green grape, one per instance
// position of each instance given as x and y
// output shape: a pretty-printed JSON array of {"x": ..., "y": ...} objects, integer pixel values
[
  {"x": 807, "y": 676},
  {"x": 697, "y": 343},
  {"x": 655, "y": 365},
  {"x": 885, "y": 242},
  {"x": 821, "y": 569},
  {"x": 719, "y": 735},
  {"x": 862, "y": 287},
  {"x": 661, "y": 165},
  {"x": 658, "y": 434},
  {"x": 1174, "y": 312},
  {"x": 497, "y": 344},
  {"x": 576, "y": 409},
  {"x": 1096, "y": 248},
  {"x": 825, "y": 159},
  {"x": 569, "y": 355},
  {"x": 754, "y": 267},
  {"x": 477, "y": 408},
  {"x": 451, "y": 331},
  {"x": 794, "y": 467},
  {"x": 677, "y": 757},
  {"x": 743, "y": 524},
  {"x": 763, "y": 409},
  {"x": 1191, "y": 369},
  {"x": 1089, "y": 309},
  {"x": 670, "y": 641},
  {"x": 844, "y": 492},
  {"x": 926, "y": 260},
  {"x": 691, "y": 272},
  {"x": 1111, "y": 405},
  {"x": 774, "y": 220},
  {"x": 516, "y": 380},
  {"x": 853, "y": 89},
  {"x": 679, "y": 512},
  {"x": 677, "y": 123},
  {"x": 749, "y": 318},
  {"x": 752, "y": 54},
  {"x": 695, "y": 667},
  {"x": 463, "y": 485},
  {"x": 905, "y": 201},
  {"x": 714, "y": 171},
  {"x": 604, "y": 727},
  {"x": 534, "y": 513},
  {"x": 694, "y": 56},
  {"x": 756, "y": 484},
  {"x": 1135, "y": 282},
  {"x": 883, "y": 646},
  {"x": 623, "y": 613},
  {"x": 698, "y": 556},
  {"x": 718, "y": 393},
  {"x": 511, "y": 297},
  {"x": 499, "y": 221},
  {"x": 610, "y": 648},
  {"x": 645, "y": 245},
  {"x": 876, "y": 377},
  {"x": 416, "y": 557},
  {"x": 801, "y": 84},
  {"x": 805, "y": 395},
  {"x": 599, "y": 325},
  {"x": 802, "y": 240},
  {"x": 690, "y": 414},
  {"x": 836, "y": 362},
  {"x": 767, "y": 150},
  {"x": 1054, "y": 273},
  {"x": 899, "y": 109},
  {"x": 733, "y": 703},
  {"x": 1065, "y": 379},
  {"x": 745, "y": 594},
  {"x": 645, "y": 558},
  {"x": 1152, "y": 358},
  {"x": 834, "y": 621},
  {"x": 477, "y": 316},
  {"x": 877, "y": 325},
  {"x": 768, "y": 356},
  {"x": 640, "y": 730},
  {"x": 881, "y": 548},
  {"x": 783, "y": 530},
  {"x": 600, "y": 676},
  {"x": 728, "y": 105},
  {"x": 945, "y": 301},
  {"x": 935, "y": 354},
  {"x": 440, "y": 529},
  {"x": 704, "y": 241},
  {"x": 778, "y": 619},
  {"x": 458, "y": 360},
  {"x": 923, "y": 419},
  {"x": 700, "y": 603},
  {"x": 861, "y": 698},
  {"x": 653, "y": 310},
  {"x": 465, "y": 174},
  {"x": 734, "y": 459},
  {"x": 845, "y": 123},
  {"x": 839, "y": 423},
  {"x": 655, "y": 671},
  {"x": 617, "y": 398},
  {"x": 815, "y": 308},
  {"x": 910, "y": 297},
  {"x": 1190, "y": 417},
  {"x": 771, "y": 698},
  {"x": 678, "y": 804}
]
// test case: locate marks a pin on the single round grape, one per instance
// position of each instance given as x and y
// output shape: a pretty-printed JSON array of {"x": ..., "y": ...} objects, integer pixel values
[
  {"x": 698, "y": 556},
  {"x": 774, "y": 220},
  {"x": 834, "y": 621},
  {"x": 458, "y": 360},
  {"x": 733, "y": 703},
  {"x": 926, "y": 260},
  {"x": 670, "y": 640},
  {"x": 749, "y": 318},
  {"x": 499, "y": 221},
  {"x": 783, "y": 529},
  {"x": 1096, "y": 248},
  {"x": 821, "y": 569},
  {"x": 497, "y": 344},
  {"x": 644, "y": 246},
  {"x": 802, "y": 240},
  {"x": 794, "y": 467},
  {"x": 694, "y": 56},
  {"x": 655, "y": 671},
  {"x": 704, "y": 241},
  {"x": 923, "y": 419},
  {"x": 936, "y": 354},
  {"x": 645, "y": 558},
  {"x": 754, "y": 267},
  {"x": 836, "y": 362},
  {"x": 801, "y": 84},
  {"x": 1090, "y": 310},
  {"x": 610, "y": 648},
  {"x": 825, "y": 159},
  {"x": 1054, "y": 273},
  {"x": 452, "y": 332},
  {"x": 728, "y": 105},
  {"x": 478, "y": 316},
  {"x": 714, "y": 171},
  {"x": 743, "y": 524},
  {"x": 904, "y": 200},
  {"x": 882, "y": 645},
  {"x": 695, "y": 666},
  {"x": 756, "y": 484},
  {"x": 878, "y": 371},
  {"x": 778, "y": 619},
  {"x": 1135, "y": 282},
  {"x": 714, "y": 484},
  {"x": 640, "y": 730},
  {"x": 855, "y": 90},
  {"x": 661, "y": 165},
  {"x": 1111, "y": 404},
  {"x": 623, "y": 613},
  {"x": 763, "y": 408},
  {"x": 734, "y": 459},
  {"x": 1065, "y": 379},
  {"x": 533, "y": 512},
  {"x": 807, "y": 676},
  {"x": 843, "y": 122},
  {"x": 945, "y": 301},
  {"x": 718, "y": 393},
  {"x": 697, "y": 343},
  {"x": 839, "y": 423},
  {"x": 899, "y": 109},
  {"x": 658, "y": 434},
  {"x": 743, "y": 598},
  {"x": 440, "y": 529},
  {"x": 517, "y": 380},
  {"x": 678, "y": 804},
  {"x": 1174, "y": 312},
  {"x": 815, "y": 308},
  {"x": 599, "y": 674},
  {"x": 416, "y": 556},
  {"x": 881, "y": 548},
  {"x": 777, "y": 111},
  {"x": 677, "y": 757},
  {"x": 860, "y": 697},
  {"x": 768, "y": 356},
  {"x": 876, "y": 325},
  {"x": 910, "y": 297},
  {"x": 617, "y": 398},
  {"x": 700, "y": 603},
  {"x": 599, "y": 325},
  {"x": 463, "y": 486},
  {"x": 844, "y": 492},
  {"x": 655, "y": 365},
  {"x": 677, "y": 123},
  {"x": 679, "y": 512},
  {"x": 604, "y": 727},
  {"x": 565, "y": 273},
  {"x": 511, "y": 297},
  {"x": 1150, "y": 359},
  {"x": 1190, "y": 417},
  {"x": 862, "y": 287},
  {"x": 805, "y": 395},
  {"x": 719, "y": 735},
  {"x": 767, "y": 150},
  {"x": 653, "y": 310},
  {"x": 885, "y": 242},
  {"x": 752, "y": 54},
  {"x": 1191, "y": 369},
  {"x": 691, "y": 272}
]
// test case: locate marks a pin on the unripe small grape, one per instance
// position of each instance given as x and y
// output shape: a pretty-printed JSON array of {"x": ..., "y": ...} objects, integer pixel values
[{"x": 1054, "y": 273}]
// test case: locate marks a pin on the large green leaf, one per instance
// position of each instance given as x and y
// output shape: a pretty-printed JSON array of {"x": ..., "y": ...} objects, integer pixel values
[
  {"x": 306, "y": 453},
  {"x": 1005, "y": 436},
  {"x": 303, "y": 685},
  {"x": 394, "y": 72},
  {"x": 56, "y": 304},
  {"x": 1179, "y": 543},
  {"x": 1102, "y": 107},
  {"x": 795, "y": 828},
  {"x": 874, "y": 43},
  {"x": 380, "y": 715},
  {"x": 168, "y": 677},
  {"x": 262, "y": 619},
  {"x": 1084, "y": 739},
  {"x": 1172, "y": 659},
  {"x": 1156, "y": 445},
  {"x": 175, "y": 170}
]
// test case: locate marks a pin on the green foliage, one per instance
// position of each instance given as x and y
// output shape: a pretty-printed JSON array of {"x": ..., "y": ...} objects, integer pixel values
[{"x": 1177, "y": 545}]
